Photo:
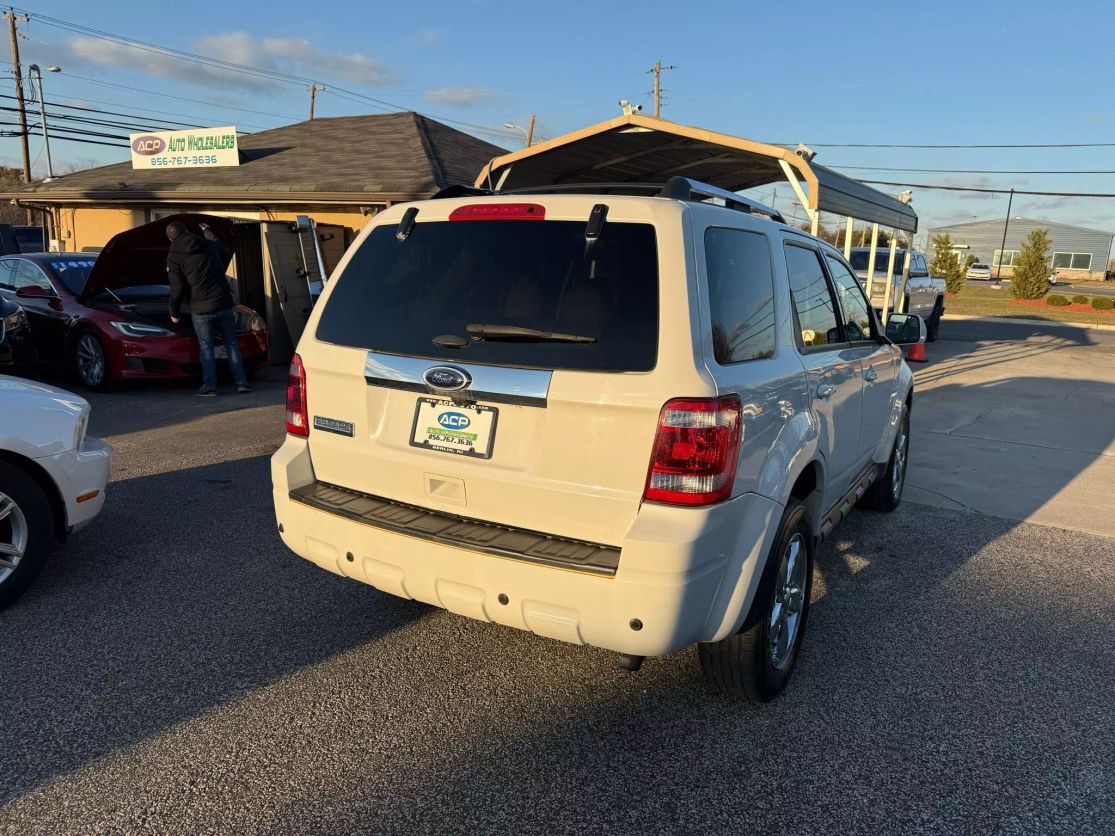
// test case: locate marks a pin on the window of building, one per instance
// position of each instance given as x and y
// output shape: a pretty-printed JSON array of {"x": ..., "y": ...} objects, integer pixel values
[
  {"x": 1006, "y": 256},
  {"x": 812, "y": 297},
  {"x": 1072, "y": 261},
  {"x": 741, "y": 294}
]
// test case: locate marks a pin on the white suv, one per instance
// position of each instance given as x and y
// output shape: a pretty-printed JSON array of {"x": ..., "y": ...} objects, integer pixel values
[{"x": 613, "y": 419}]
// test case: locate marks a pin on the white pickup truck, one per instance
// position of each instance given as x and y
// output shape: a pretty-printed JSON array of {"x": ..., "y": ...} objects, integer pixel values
[{"x": 925, "y": 294}]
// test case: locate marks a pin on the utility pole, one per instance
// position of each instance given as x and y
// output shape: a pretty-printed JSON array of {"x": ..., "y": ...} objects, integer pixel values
[
  {"x": 530, "y": 131},
  {"x": 314, "y": 88},
  {"x": 20, "y": 104},
  {"x": 1006, "y": 226},
  {"x": 657, "y": 70}
]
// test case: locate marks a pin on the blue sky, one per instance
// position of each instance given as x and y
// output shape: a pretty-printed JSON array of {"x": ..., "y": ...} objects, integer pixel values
[{"x": 946, "y": 72}]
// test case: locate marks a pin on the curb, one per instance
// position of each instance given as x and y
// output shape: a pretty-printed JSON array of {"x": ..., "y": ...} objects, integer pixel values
[{"x": 1010, "y": 321}]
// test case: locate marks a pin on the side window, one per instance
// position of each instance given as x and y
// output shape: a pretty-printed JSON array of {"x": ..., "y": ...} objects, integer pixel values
[
  {"x": 813, "y": 302},
  {"x": 857, "y": 317},
  {"x": 27, "y": 275},
  {"x": 7, "y": 267},
  {"x": 741, "y": 294}
]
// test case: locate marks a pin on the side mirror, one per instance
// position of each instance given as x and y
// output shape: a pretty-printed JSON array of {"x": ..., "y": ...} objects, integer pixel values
[
  {"x": 31, "y": 291},
  {"x": 906, "y": 329}
]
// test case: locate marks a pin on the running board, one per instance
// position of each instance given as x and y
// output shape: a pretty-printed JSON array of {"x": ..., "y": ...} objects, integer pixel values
[{"x": 849, "y": 500}]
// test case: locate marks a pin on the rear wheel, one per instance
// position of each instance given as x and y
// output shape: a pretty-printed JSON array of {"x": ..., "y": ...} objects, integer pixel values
[
  {"x": 886, "y": 492},
  {"x": 26, "y": 524},
  {"x": 91, "y": 362},
  {"x": 933, "y": 324},
  {"x": 756, "y": 663}
]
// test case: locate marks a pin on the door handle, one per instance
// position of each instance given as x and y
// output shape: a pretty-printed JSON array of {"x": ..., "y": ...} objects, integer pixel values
[
  {"x": 870, "y": 375},
  {"x": 825, "y": 391}
]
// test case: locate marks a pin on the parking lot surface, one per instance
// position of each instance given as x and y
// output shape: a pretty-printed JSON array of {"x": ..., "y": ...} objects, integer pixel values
[{"x": 176, "y": 669}]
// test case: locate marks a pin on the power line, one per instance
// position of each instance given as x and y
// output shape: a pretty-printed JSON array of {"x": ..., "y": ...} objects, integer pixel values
[
  {"x": 974, "y": 170},
  {"x": 246, "y": 69},
  {"x": 895, "y": 145},
  {"x": 59, "y": 138},
  {"x": 111, "y": 113},
  {"x": 987, "y": 191}
]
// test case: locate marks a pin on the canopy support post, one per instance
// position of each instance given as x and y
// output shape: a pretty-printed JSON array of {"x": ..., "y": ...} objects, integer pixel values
[
  {"x": 888, "y": 294},
  {"x": 871, "y": 260},
  {"x": 814, "y": 215},
  {"x": 848, "y": 238},
  {"x": 905, "y": 275}
]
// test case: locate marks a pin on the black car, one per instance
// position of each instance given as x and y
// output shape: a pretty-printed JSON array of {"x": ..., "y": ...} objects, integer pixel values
[{"x": 14, "y": 334}]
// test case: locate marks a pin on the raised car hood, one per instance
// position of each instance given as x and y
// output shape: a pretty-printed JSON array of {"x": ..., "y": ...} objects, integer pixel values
[{"x": 138, "y": 256}]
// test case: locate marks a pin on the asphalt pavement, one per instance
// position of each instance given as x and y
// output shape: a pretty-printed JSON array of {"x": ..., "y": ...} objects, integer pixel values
[
  {"x": 1066, "y": 287},
  {"x": 177, "y": 670}
]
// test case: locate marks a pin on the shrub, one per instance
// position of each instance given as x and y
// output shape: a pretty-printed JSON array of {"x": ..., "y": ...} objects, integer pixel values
[
  {"x": 946, "y": 263},
  {"x": 1056, "y": 300},
  {"x": 1103, "y": 303},
  {"x": 1031, "y": 268},
  {"x": 1080, "y": 300}
]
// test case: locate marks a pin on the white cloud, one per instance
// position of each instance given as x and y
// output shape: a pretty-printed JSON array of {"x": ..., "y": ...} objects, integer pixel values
[
  {"x": 293, "y": 55},
  {"x": 461, "y": 96}
]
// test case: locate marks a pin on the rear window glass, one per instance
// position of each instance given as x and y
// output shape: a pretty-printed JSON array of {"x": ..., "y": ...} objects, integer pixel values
[
  {"x": 397, "y": 296},
  {"x": 741, "y": 294}
]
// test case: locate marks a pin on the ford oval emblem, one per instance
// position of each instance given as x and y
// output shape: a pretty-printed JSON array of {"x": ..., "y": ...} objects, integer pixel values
[
  {"x": 454, "y": 420},
  {"x": 148, "y": 145},
  {"x": 447, "y": 378}
]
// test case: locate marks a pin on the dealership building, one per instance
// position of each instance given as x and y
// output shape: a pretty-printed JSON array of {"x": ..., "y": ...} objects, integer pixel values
[{"x": 1075, "y": 251}]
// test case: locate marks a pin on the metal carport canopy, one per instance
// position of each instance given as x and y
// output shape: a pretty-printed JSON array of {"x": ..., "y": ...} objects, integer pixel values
[{"x": 642, "y": 149}]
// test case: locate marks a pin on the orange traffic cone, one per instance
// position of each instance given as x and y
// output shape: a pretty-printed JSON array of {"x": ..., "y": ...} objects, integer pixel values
[{"x": 916, "y": 354}]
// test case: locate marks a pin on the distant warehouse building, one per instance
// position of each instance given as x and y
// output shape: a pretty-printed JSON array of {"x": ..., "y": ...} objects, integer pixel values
[{"x": 1075, "y": 250}]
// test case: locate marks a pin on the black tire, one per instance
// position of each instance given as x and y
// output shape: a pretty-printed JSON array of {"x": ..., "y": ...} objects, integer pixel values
[
  {"x": 885, "y": 493},
  {"x": 21, "y": 495},
  {"x": 745, "y": 664},
  {"x": 933, "y": 325},
  {"x": 86, "y": 349}
]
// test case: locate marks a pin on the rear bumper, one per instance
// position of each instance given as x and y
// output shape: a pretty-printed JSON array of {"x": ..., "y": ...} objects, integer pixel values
[{"x": 684, "y": 574}]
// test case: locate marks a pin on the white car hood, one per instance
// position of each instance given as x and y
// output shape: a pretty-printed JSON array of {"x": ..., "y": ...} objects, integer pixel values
[{"x": 16, "y": 391}]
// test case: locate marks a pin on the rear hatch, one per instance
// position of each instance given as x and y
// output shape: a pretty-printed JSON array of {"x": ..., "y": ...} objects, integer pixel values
[{"x": 550, "y": 429}]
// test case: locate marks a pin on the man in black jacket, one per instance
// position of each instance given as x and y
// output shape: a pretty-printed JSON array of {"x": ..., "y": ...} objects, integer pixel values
[{"x": 195, "y": 269}]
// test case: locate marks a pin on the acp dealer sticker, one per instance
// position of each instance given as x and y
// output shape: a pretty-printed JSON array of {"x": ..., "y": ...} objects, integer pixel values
[{"x": 198, "y": 148}]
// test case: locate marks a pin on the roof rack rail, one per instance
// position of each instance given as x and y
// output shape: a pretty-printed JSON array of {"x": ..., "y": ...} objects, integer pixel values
[
  {"x": 678, "y": 188},
  {"x": 682, "y": 188}
]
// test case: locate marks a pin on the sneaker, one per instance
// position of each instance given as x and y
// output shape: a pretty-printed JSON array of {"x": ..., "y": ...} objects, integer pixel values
[
  {"x": 243, "y": 388},
  {"x": 206, "y": 392}
]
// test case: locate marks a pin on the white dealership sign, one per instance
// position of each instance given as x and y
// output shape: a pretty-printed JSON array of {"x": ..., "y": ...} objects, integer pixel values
[{"x": 198, "y": 148}]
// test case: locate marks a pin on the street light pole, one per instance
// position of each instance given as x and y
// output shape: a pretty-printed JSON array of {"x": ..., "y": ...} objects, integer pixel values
[
  {"x": 528, "y": 133},
  {"x": 38, "y": 74},
  {"x": 1003, "y": 246}
]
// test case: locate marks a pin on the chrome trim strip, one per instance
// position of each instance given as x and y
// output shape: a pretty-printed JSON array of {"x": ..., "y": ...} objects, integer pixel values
[{"x": 497, "y": 384}]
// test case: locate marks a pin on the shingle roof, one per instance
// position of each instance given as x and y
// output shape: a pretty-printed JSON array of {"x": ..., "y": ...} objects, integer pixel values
[{"x": 389, "y": 156}]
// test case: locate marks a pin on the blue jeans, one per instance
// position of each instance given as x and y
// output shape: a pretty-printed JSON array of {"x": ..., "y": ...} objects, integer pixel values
[{"x": 203, "y": 326}]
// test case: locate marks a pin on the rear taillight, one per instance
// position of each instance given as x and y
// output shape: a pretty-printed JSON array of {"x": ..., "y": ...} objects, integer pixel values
[
  {"x": 695, "y": 451},
  {"x": 297, "y": 421}
]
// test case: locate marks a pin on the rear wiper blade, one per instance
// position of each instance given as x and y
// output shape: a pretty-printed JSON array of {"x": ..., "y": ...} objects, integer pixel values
[{"x": 514, "y": 332}]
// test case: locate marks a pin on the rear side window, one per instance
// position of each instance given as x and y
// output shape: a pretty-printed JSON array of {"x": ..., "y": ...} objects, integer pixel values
[
  {"x": 397, "y": 296},
  {"x": 813, "y": 302},
  {"x": 741, "y": 295}
]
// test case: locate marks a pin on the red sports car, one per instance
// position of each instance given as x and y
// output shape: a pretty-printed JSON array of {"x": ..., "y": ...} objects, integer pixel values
[{"x": 106, "y": 315}]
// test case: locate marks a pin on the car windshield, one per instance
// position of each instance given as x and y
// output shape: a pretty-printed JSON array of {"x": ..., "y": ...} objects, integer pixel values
[
  {"x": 482, "y": 291},
  {"x": 73, "y": 272}
]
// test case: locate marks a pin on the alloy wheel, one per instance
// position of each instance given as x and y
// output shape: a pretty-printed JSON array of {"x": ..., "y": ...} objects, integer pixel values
[
  {"x": 13, "y": 536},
  {"x": 90, "y": 360},
  {"x": 789, "y": 602},
  {"x": 901, "y": 450}
]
